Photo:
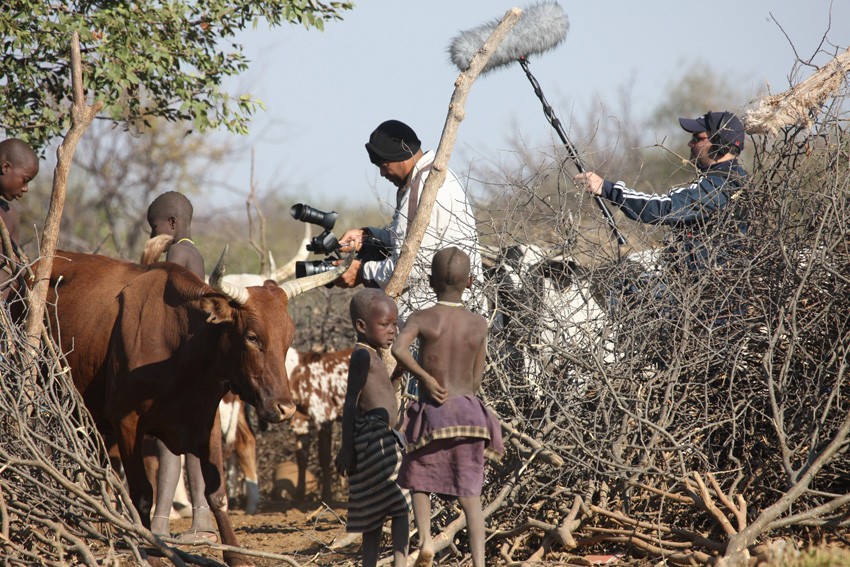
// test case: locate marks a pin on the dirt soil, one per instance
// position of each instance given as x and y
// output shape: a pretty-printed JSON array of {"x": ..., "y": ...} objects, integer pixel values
[{"x": 304, "y": 533}]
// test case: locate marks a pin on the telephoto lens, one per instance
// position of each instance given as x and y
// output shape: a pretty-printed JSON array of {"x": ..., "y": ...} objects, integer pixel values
[
  {"x": 304, "y": 269},
  {"x": 306, "y": 213}
]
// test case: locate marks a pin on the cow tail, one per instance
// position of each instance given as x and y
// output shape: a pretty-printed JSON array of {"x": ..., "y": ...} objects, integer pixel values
[{"x": 156, "y": 247}]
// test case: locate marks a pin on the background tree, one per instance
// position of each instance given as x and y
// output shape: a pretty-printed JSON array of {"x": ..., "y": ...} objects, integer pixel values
[{"x": 142, "y": 60}]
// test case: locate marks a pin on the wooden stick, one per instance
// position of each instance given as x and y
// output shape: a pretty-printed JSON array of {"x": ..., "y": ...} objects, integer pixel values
[
  {"x": 438, "y": 172},
  {"x": 795, "y": 106},
  {"x": 82, "y": 116}
]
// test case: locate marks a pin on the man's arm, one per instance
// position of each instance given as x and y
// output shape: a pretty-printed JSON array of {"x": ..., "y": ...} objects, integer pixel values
[
  {"x": 680, "y": 205},
  {"x": 380, "y": 271},
  {"x": 376, "y": 273},
  {"x": 358, "y": 372}
]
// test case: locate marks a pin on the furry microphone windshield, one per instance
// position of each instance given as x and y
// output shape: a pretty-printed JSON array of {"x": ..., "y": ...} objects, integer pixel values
[{"x": 541, "y": 27}]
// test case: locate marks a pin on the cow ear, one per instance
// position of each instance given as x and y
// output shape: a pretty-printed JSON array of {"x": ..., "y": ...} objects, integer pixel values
[{"x": 218, "y": 308}]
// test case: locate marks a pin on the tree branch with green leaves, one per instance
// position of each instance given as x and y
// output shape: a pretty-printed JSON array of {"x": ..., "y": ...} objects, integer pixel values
[{"x": 140, "y": 60}]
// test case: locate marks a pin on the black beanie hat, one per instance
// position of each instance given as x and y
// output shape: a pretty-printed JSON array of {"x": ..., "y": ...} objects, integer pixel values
[{"x": 392, "y": 141}]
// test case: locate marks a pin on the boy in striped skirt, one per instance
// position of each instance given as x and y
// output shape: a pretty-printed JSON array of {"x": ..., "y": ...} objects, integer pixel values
[{"x": 371, "y": 452}]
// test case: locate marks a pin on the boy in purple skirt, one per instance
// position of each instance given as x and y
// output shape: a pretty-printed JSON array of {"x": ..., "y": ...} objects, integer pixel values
[{"x": 449, "y": 430}]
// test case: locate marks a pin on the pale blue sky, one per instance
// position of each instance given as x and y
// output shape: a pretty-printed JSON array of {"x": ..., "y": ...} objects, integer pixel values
[{"x": 325, "y": 92}]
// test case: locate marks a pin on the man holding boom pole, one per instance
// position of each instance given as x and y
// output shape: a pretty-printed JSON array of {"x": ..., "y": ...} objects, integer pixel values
[{"x": 716, "y": 142}]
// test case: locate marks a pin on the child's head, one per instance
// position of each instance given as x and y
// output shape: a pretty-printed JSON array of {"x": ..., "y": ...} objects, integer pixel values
[
  {"x": 374, "y": 317},
  {"x": 450, "y": 270},
  {"x": 18, "y": 166},
  {"x": 170, "y": 213}
]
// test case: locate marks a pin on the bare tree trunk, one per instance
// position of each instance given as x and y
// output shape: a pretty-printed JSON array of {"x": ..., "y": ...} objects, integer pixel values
[
  {"x": 81, "y": 118},
  {"x": 444, "y": 151}
]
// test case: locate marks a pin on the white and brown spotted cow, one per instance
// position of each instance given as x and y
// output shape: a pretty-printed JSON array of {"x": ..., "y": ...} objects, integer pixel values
[{"x": 317, "y": 384}]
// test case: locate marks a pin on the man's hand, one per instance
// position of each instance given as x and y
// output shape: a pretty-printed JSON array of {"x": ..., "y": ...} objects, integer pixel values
[
  {"x": 590, "y": 182},
  {"x": 351, "y": 240},
  {"x": 351, "y": 277}
]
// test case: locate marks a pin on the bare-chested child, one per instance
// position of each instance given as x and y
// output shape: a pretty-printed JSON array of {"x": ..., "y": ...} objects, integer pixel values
[
  {"x": 171, "y": 214},
  {"x": 370, "y": 454},
  {"x": 18, "y": 166},
  {"x": 448, "y": 430}
]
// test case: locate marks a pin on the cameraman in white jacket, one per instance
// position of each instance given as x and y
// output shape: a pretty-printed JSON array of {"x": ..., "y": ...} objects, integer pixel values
[{"x": 396, "y": 150}]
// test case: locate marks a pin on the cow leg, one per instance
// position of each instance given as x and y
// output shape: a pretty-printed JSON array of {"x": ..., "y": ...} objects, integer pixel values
[
  {"x": 246, "y": 452},
  {"x": 302, "y": 459},
  {"x": 324, "y": 442},
  {"x": 212, "y": 466}
]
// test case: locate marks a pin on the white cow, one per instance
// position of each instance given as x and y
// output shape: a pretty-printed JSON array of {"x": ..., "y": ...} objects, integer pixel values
[{"x": 547, "y": 306}]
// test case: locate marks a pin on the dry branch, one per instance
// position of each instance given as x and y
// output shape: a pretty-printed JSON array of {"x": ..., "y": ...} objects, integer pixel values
[
  {"x": 444, "y": 151},
  {"x": 82, "y": 116},
  {"x": 798, "y": 105},
  {"x": 734, "y": 379},
  {"x": 251, "y": 208}
]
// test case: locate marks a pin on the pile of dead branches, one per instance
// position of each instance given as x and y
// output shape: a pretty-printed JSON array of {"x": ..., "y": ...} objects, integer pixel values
[
  {"x": 695, "y": 416},
  {"x": 60, "y": 501}
]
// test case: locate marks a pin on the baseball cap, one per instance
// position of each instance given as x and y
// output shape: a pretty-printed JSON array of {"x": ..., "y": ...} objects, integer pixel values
[
  {"x": 725, "y": 126},
  {"x": 392, "y": 140}
]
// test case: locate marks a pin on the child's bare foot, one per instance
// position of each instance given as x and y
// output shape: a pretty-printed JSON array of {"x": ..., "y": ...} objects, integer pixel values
[
  {"x": 199, "y": 536},
  {"x": 425, "y": 558}
]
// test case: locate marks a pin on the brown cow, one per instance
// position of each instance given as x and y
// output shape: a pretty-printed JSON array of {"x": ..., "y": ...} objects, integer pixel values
[{"x": 152, "y": 349}]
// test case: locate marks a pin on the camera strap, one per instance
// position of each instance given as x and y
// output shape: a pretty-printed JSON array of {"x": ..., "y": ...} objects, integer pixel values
[
  {"x": 412, "y": 204},
  {"x": 413, "y": 197}
]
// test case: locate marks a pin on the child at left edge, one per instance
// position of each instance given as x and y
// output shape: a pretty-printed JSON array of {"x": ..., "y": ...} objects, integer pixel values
[{"x": 371, "y": 450}]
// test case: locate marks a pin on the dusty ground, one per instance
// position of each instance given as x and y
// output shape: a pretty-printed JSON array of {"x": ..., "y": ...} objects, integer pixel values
[{"x": 303, "y": 533}]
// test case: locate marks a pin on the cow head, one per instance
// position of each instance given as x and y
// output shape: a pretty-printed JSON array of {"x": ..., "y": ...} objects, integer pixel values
[{"x": 258, "y": 335}]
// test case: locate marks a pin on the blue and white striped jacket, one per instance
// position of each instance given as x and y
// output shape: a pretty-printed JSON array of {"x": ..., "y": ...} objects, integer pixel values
[{"x": 691, "y": 208}]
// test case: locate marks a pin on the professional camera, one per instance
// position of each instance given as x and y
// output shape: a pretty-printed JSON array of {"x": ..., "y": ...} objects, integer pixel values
[{"x": 328, "y": 244}]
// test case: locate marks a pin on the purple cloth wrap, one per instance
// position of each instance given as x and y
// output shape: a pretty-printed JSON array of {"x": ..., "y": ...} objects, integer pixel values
[{"x": 447, "y": 444}]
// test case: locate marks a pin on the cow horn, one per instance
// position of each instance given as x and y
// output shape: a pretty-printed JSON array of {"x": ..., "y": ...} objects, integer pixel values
[
  {"x": 300, "y": 285},
  {"x": 236, "y": 293},
  {"x": 288, "y": 269}
]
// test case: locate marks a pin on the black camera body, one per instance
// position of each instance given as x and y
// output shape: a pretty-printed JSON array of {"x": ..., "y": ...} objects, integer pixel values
[{"x": 327, "y": 243}]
